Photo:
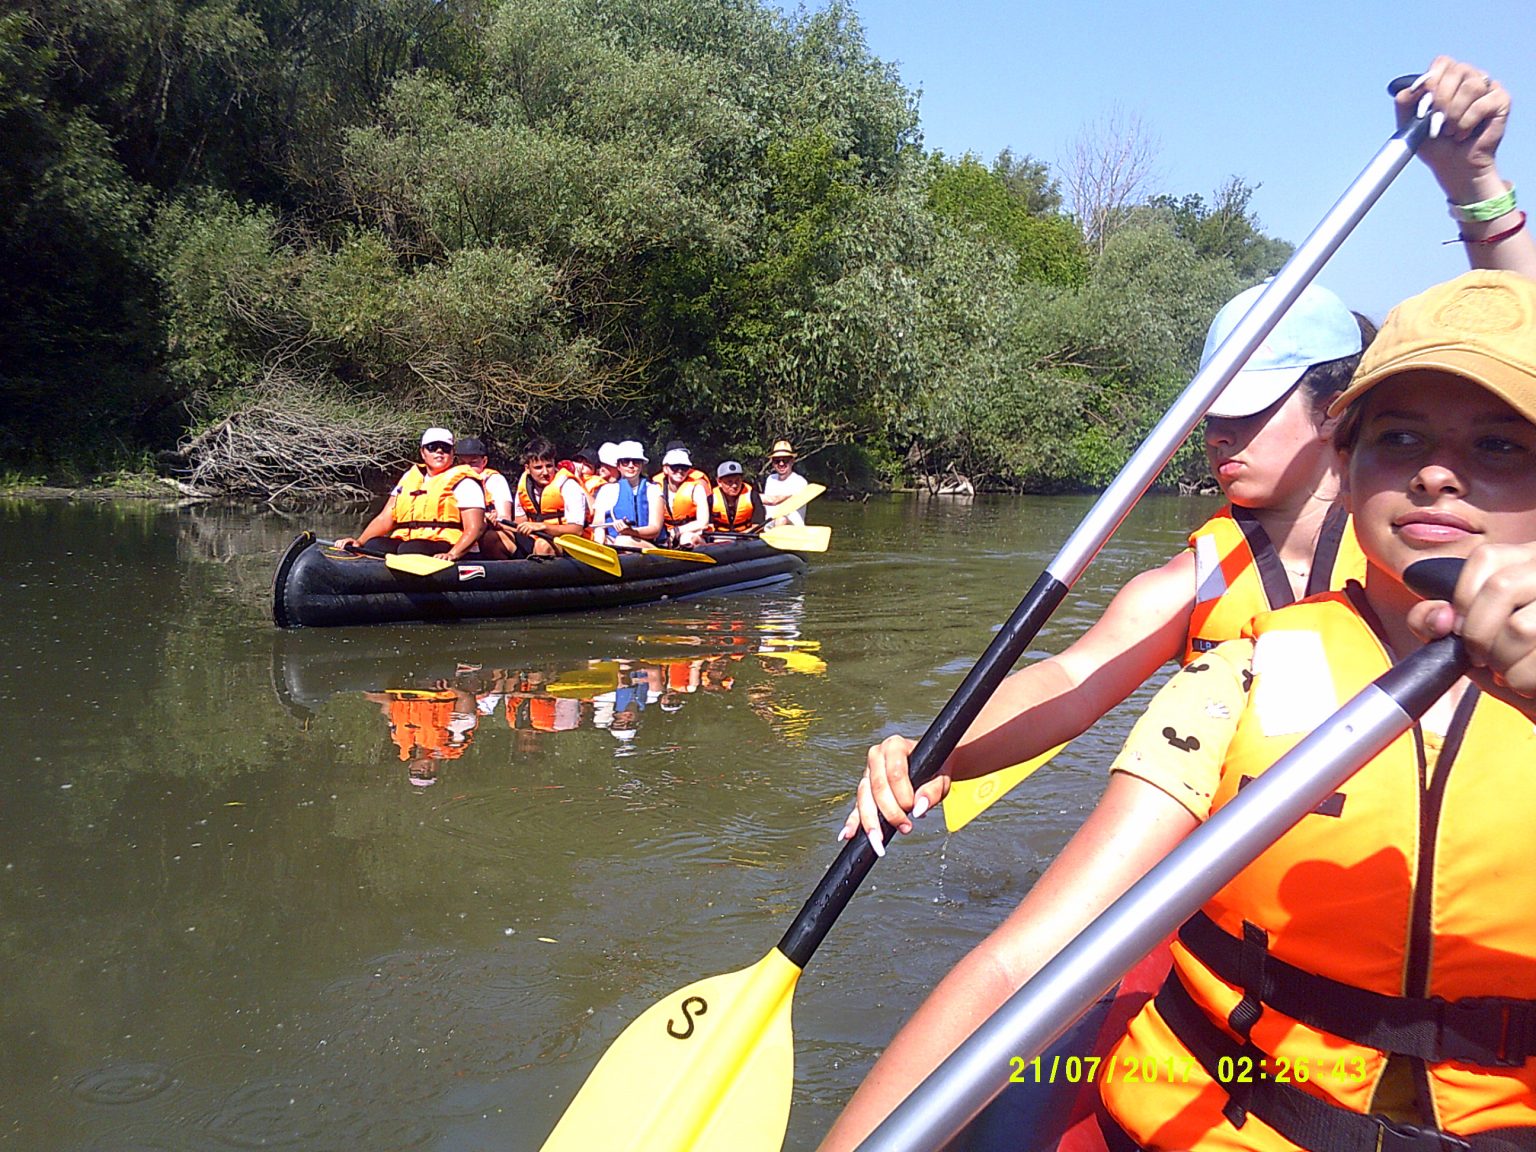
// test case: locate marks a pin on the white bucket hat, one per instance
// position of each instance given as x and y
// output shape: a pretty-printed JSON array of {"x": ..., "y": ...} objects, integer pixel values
[
  {"x": 677, "y": 456},
  {"x": 629, "y": 450},
  {"x": 608, "y": 454}
]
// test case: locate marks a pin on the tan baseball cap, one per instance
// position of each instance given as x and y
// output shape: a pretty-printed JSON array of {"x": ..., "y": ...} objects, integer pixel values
[{"x": 1480, "y": 326}]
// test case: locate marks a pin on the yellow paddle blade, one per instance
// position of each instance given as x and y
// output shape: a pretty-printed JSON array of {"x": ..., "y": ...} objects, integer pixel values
[
  {"x": 968, "y": 799},
  {"x": 797, "y": 661},
  {"x": 796, "y": 502},
  {"x": 415, "y": 564},
  {"x": 591, "y": 553},
  {"x": 798, "y": 537},
  {"x": 708, "y": 1069},
  {"x": 679, "y": 554}
]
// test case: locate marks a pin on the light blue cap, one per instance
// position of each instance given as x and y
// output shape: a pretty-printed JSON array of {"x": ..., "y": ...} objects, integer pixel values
[{"x": 1315, "y": 329}]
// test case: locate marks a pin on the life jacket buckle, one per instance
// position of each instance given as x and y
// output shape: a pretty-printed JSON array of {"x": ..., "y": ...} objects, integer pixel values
[
  {"x": 1395, "y": 1137},
  {"x": 1491, "y": 1031}
]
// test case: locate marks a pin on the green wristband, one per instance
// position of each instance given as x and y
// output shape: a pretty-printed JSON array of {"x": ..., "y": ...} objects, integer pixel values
[{"x": 1492, "y": 209}]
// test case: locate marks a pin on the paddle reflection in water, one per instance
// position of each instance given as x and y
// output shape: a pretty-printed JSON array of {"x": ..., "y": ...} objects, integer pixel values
[{"x": 434, "y": 707}]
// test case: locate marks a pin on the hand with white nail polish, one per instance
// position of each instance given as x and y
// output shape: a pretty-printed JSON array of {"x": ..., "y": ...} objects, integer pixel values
[{"x": 885, "y": 790}]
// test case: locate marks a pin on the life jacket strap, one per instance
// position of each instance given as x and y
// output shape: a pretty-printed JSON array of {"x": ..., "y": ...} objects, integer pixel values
[
  {"x": 399, "y": 524},
  {"x": 1487, "y": 1031},
  {"x": 1306, "y": 1120}
]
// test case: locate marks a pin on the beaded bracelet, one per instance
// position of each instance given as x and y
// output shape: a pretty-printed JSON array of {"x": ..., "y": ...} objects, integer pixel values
[
  {"x": 1496, "y": 237},
  {"x": 1483, "y": 210}
]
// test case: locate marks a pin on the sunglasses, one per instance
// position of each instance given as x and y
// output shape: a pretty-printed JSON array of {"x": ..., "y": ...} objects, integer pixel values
[
  {"x": 437, "y": 446},
  {"x": 631, "y": 460},
  {"x": 676, "y": 467},
  {"x": 783, "y": 461}
]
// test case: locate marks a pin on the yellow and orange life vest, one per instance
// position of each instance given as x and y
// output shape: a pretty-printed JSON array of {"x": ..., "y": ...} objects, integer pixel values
[
  {"x": 1395, "y": 918},
  {"x": 426, "y": 508},
  {"x": 678, "y": 505},
  {"x": 739, "y": 516},
  {"x": 1238, "y": 573},
  {"x": 543, "y": 504}
]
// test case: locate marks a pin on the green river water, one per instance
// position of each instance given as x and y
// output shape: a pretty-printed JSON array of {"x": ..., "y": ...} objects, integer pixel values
[{"x": 230, "y": 918}]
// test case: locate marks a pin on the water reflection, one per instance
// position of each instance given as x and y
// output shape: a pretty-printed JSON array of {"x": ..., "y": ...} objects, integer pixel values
[{"x": 435, "y": 700}]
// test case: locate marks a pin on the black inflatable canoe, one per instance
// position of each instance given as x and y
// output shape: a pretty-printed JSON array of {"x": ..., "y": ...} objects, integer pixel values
[{"x": 319, "y": 586}]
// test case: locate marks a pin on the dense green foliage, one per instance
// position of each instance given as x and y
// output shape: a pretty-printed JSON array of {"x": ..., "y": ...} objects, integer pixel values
[{"x": 323, "y": 223}]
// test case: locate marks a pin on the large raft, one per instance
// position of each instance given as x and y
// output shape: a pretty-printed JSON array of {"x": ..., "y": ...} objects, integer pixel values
[{"x": 320, "y": 586}]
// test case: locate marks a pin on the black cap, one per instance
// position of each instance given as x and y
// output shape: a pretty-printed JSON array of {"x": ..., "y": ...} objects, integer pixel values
[
  {"x": 588, "y": 456},
  {"x": 469, "y": 446}
]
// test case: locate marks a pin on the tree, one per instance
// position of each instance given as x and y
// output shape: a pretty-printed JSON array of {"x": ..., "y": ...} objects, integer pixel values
[
  {"x": 1110, "y": 168},
  {"x": 1227, "y": 229}
]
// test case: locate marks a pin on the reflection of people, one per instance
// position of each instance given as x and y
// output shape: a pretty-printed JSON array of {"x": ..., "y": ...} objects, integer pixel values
[
  {"x": 783, "y": 481},
  {"x": 628, "y": 512},
  {"x": 437, "y": 508},
  {"x": 1388, "y": 935},
  {"x": 428, "y": 725},
  {"x": 736, "y": 505}
]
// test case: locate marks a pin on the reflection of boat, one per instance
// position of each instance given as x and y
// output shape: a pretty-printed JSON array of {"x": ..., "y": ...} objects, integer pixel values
[{"x": 316, "y": 585}]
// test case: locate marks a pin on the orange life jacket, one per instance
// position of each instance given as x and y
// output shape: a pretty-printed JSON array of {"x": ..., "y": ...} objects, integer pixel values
[
  {"x": 1238, "y": 573},
  {"x": 1396, "y": 918},
  {"x": 543, "y": 504},
  {"x": 678, "y": 505},
  {"x": 737, "y": 517},
  {"x": 426, "y": 509}
]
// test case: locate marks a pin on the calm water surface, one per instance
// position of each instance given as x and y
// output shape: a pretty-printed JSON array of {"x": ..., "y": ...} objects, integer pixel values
[{"x": 399, "y": 887}]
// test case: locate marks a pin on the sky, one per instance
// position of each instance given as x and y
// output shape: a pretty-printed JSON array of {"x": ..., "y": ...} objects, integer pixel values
[{"x": 1287, "y": 96}]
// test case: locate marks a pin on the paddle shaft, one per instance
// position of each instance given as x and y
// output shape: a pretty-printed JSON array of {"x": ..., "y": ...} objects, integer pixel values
[
  {"x": 858, "y": 857},
  {"x": 1171, "y": 892}
]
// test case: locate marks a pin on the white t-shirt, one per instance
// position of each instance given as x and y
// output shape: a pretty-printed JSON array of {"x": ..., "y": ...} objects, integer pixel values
[
  {"x": 499, "y": 491},
  {"x": 775, "y": 486}
]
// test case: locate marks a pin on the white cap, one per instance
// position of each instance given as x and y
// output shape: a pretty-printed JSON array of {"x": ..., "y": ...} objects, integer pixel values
[
  {"x": 629, "y": 450},
  {"x": 677, "y": 456},
  {"x": 625, "y": 734},
  {"x": 436, "y": 435},
  {"x": 1315, "y": 329},
  {"x": 608, "y": 454}
]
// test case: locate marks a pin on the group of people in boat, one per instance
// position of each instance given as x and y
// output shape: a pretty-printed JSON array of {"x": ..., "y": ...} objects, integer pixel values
[
  {"x": 453, "y": 504},
  {"x": 1369, "y": 983}
]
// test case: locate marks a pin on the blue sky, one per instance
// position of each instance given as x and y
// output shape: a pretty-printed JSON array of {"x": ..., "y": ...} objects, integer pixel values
[{"x": 1289, "y": 96}]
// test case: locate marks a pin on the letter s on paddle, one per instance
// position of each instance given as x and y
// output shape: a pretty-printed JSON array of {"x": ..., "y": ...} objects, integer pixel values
[{"x": 699, "y": 1007}]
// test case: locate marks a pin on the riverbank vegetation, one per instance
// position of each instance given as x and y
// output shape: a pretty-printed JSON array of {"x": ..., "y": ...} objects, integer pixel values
[{"x": 269, "y": 240}]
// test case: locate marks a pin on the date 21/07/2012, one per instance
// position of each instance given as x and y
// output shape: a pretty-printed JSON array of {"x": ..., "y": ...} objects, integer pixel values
[{"x": 1060, "y": 1069}]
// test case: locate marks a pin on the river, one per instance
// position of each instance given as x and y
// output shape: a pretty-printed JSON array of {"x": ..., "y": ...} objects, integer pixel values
[{"x": 236, "y": 913}]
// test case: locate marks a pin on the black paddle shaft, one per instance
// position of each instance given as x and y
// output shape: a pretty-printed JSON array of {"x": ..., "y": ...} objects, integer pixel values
[{"x": 858, "y": 855}]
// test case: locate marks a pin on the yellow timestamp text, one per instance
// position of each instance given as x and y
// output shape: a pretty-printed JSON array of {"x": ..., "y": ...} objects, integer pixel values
[{"x": 1059, "y": 1069}]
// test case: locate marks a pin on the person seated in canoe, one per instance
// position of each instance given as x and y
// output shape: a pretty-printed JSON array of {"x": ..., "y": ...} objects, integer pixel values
[
  {"x": 608, "y": 462},
  {"x": 736, "y": 507},
  {"x": 1340, "y": 946},
  {"x": 437, "y": 508},
  {"x": 584, "y": 466},
  {"x": 470, "y": 451},
  {"x": 628, "y": 514},
  {"x": 783, "y": 481},
  {"x": 684, "y": 500},
  {"x": 550, "y": 502}
]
